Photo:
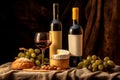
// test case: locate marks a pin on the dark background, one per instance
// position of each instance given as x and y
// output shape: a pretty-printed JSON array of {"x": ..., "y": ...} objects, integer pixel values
[{"x": 20, "y": 19}]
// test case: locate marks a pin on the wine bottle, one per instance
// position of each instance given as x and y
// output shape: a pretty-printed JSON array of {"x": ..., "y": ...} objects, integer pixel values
[
  {"x": 55, "y": 31},
  {"x": 75, "y": 39}
]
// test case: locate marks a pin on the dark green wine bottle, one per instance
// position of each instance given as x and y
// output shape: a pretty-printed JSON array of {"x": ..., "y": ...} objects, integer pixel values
[{"x": 75, "y": 39}]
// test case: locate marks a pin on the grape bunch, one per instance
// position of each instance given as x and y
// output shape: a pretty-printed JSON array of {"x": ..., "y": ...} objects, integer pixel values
[
  {"x": 95, "y": 63},
  {"x": 32, "y": 54}
]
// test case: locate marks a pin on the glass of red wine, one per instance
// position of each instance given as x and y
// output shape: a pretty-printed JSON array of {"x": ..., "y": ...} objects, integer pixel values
[{"x": 42, "y": 41}]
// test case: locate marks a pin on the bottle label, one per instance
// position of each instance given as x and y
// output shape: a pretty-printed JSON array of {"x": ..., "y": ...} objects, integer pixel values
[
  {"x": 56, "y": 42},
  {"x": 75, "y": 44}
]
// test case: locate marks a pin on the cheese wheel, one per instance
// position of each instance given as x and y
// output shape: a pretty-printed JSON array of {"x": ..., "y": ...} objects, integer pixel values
[{"x": 61, "y": 59}]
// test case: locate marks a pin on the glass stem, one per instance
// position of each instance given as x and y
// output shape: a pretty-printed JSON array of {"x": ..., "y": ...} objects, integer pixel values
[{"x": 43, "y": 56}]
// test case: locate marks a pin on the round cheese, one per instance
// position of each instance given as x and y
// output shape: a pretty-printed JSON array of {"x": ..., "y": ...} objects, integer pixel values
[{"x": 61, "y": 59}]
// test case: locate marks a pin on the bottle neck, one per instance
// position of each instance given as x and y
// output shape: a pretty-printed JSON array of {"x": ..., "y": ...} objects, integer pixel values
[
  {"x": 75, "y": 15},
  {"x": 55, "y": 11},
  {"x": 75, "y": 21}
]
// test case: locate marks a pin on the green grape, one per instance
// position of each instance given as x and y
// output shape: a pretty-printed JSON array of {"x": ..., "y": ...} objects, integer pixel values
[
  {"x": 27, "y": 53},
  {"x": 33, "y": 55},
  {"x": 94, "y": 57},
  {"x": 31, "y": 50},
  {"x": 26, "y": 56},
  {"x": 94, "y": 65},
  {"x": 46, "y": 60},
  {"x": 100, "y": 67},
  {"x": 20, "y": 54},
  {"x": 37, "y": 50},
  {"x": 92, "y": 61},
  {"x": 106, "y": 59},
  {"x": 32, "y": 59},
  {"x": 86, "y": 62},
  {"x": 39, "y": 57},
  {"x": 89, "y": 58},
  {"x": 80, "y": 65},
  {"x": 98, "y": 62},
  {"x": 105, "y": 64},
  {"x": 111, "y": 63},
  {"x": 37, "y": 62}
]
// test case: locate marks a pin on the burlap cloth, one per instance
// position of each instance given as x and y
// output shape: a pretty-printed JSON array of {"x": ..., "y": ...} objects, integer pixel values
[{"x": 71, "y": 74}]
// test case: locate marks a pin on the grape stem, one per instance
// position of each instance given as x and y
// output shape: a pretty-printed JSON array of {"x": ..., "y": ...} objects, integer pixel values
[
  {"x": 99, "y": 58},
  {"x": 22, "y": 48}
]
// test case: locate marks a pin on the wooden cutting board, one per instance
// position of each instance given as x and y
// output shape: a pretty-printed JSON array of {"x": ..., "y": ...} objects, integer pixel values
[{"x": 41, "y": 70}]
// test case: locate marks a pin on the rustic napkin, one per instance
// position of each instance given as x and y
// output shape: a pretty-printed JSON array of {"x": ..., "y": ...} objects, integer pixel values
[{"x": 6, "y": 73}]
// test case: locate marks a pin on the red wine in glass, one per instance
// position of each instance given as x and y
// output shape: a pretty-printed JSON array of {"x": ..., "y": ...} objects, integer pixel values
[{"x": 43, "y": 44}]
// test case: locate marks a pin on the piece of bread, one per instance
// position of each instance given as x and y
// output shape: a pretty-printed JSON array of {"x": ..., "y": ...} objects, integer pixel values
[{"x": 22, "y": 63}]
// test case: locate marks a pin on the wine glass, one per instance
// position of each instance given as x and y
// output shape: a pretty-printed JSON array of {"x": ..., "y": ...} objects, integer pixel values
[{"x": 42, "y": 41}]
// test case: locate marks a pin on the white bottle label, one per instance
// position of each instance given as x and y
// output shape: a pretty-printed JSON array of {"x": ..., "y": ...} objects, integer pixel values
[{"x": 75, "y": 44}]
